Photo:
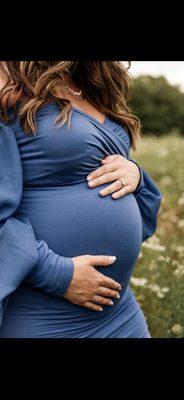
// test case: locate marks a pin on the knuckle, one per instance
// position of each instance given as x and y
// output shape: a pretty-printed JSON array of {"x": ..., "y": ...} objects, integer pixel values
[
  {"x": 105, "y": 176},
  {"x": 118, "y": 157},
  {"x": 98, "y": 299},
  {"x": 99, "y": 280},
  {"x": 105, "y": 168},
  {"x": 118, "y": 184}
]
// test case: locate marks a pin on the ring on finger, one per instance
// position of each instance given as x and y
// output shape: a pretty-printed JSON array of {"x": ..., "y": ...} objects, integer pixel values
[{"x": 123, "y": 183}]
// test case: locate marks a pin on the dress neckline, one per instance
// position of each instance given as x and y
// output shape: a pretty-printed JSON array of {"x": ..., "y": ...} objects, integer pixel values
[
  {"x": 90, "y": 116},
  {"x": 10, "y": 109}
]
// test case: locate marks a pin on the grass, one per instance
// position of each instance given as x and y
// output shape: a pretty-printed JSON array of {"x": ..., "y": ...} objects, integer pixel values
[{"x": 159, "y": 287}]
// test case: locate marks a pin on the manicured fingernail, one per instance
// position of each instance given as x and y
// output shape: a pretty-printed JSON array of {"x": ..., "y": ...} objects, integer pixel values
[
  {"x": 102, "y": 193},
  {"x": 91, "y": 184},
  {"x": 111, "y": 303},
  {"x": 114, "y": 195},
  {"x": 112, "y": 259},
  {"x": 100, "y": 309},
  {"x": 118, "y": 296},
  {"x": 89, "y": 178}
]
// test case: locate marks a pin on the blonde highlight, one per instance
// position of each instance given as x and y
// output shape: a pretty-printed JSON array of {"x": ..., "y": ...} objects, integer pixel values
[{"x": 32, "y": 84}]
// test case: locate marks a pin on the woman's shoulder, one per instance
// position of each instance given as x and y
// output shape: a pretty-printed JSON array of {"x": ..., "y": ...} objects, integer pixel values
[{"x": 120, "y": 131}]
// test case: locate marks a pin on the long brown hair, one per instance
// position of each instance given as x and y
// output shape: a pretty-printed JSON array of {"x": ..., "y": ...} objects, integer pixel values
[{"x": 32, "y": 84}]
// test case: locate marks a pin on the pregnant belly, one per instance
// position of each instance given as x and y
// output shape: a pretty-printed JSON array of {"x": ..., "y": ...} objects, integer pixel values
[{"x": 75, "y": 220}]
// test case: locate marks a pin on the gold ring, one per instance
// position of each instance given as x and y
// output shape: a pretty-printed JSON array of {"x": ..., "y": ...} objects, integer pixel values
[{"x": 122, "y": 182}]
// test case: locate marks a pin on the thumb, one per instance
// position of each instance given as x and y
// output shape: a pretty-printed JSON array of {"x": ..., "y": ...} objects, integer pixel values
[{"x": 102, "y": 260}]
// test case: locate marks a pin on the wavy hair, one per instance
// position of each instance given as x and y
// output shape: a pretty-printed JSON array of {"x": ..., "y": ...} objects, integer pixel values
[{"x": 32, "y": 84}]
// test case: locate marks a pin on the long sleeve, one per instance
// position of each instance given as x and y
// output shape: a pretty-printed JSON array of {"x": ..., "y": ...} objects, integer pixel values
[
  {"x": 149, "y": 198},
  {"x": 22, "y": 256},
  {"x": 147, "y": 194}
]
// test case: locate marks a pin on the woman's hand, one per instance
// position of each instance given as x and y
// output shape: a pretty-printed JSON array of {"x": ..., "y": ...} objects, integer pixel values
[
  {"x": 115, "y": 167},
  {"x": 89, "y": 288}
]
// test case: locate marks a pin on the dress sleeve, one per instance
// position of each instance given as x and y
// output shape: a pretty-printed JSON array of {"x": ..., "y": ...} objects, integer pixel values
[
  {"x": 22, "y": 256},
  {"x": 148, "y": 197}
]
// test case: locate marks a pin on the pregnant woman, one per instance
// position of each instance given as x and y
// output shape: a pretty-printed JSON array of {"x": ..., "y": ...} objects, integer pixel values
[{"x": 67, "y": 250}]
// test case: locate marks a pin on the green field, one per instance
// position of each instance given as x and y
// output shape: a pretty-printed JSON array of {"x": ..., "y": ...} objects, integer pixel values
[{"x": 158, "y": 278}]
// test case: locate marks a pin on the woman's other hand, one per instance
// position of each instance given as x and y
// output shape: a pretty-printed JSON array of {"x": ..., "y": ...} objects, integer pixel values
[
  {"x": 115, "y": 167},
  {"x": 89, "y": 288}
]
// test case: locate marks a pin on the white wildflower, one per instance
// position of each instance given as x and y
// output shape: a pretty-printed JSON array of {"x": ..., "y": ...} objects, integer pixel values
[
  {"x": 177, "y": 329},
  {"x": 161, "y": 258},
  {"x": 160, "y": 295},
  {"x": 180, "y": 249},
  {"x": 138, "y": 281},
  {"x": 153, "y": 243},
  {"x": 154, "y": 287},
  {"x": 179, "y": 271},
  {"x": 155, "y": 246},
  {"x": 140, "y": 255},
  {"x": 165, "y": 289}
]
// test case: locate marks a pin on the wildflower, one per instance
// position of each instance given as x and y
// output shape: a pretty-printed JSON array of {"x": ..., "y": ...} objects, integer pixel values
[
  {"x": 179, "y": 271},
  {"x": 165, "y": 289},
  {"x": 154, "y": 287},
  {"x": 153, "y": 243},
  {"x": 162, "y": 258},
  {"x": 154, "y": 246},
  {"x": 180, "y": 249},
  {"x": 177, "y": 329},
  {"x": 140, "y": 255},
  {"x": 138, "y": 281},
  {"x": 160, "y": 295}
]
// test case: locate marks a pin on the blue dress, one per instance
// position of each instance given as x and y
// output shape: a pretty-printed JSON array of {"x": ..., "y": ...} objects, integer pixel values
[{"x": 48, "y": 215}]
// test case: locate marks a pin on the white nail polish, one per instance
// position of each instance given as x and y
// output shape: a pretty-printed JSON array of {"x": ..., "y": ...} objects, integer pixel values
[{"x": 112, "y": 259}]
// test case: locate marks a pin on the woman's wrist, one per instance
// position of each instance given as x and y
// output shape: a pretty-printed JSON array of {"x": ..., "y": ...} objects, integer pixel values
[
  {"x": 141, "y": 179},
  {"x": 65, "y": 276}
]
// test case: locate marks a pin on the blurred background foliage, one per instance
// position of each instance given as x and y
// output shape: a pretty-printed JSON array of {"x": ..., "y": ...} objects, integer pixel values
[
  {"x": 158, "y": 277},
  {"x": 158, "y": 104}
]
